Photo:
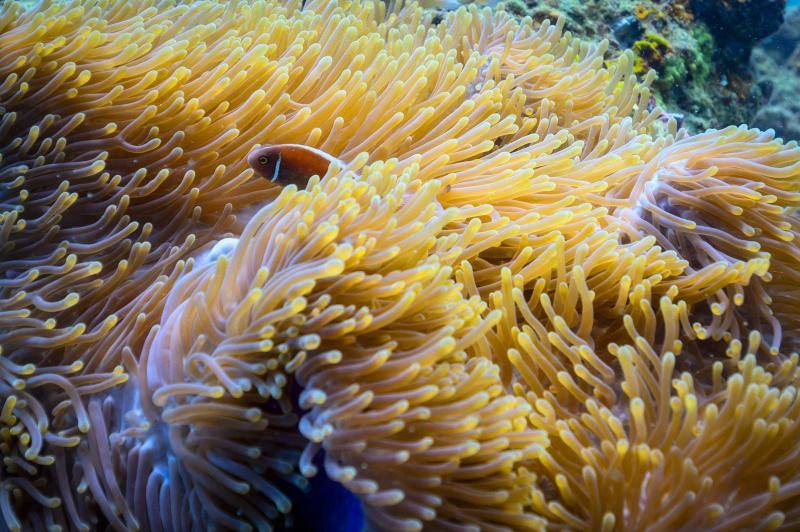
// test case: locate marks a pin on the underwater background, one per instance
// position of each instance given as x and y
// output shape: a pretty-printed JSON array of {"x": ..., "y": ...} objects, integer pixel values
[{"x": 719, "y": 62}]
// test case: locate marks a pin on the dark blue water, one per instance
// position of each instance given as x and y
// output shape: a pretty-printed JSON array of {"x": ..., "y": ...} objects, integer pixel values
[{"x": 327, "y": 506}]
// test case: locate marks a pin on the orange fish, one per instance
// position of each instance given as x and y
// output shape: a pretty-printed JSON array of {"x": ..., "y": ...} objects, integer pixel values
[
  {"x": 290, "y": 164},
  {"x": 294, "y": 164}
]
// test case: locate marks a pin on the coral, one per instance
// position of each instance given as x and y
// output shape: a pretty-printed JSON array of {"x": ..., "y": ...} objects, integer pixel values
[
  {"x": 516, "y": 7},
  {"x": 520, "y": 302},
  {"x": 680, "y": 11},
  {"x": 698, "y": 65},
  {"x": 642, "y": 11},
  {"x": 683, "y": 76},
  {"x": 651, "y": 52}
]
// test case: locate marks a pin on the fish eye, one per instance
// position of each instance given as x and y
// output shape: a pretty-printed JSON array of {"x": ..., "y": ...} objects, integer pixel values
[{"x": 263, "y": 159}]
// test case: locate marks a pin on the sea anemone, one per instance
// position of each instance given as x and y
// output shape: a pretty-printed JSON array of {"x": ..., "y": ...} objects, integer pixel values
[{"x": 519, "y": 302}]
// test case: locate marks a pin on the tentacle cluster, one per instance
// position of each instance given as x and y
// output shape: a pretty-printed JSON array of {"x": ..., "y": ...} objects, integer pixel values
[{"x": 521, "y": 302}]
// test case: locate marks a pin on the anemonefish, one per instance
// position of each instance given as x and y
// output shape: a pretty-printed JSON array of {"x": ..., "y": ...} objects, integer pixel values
[
  {"x": 290, "y": 164},
  {"x": 295, "y": 164}
]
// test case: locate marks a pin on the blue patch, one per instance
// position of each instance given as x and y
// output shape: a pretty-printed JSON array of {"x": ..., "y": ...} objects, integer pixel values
[{"x": 327, "y": 506}]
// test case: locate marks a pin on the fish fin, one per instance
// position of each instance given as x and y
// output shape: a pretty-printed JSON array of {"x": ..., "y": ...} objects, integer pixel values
[{"x": 277, "y": 169}]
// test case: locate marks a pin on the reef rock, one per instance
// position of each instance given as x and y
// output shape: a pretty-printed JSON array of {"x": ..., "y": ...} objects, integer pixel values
[
  {"x": 780, "y": 53},
  {"x": 737, "y": 25},
  {"x": 698, "y": 48}
]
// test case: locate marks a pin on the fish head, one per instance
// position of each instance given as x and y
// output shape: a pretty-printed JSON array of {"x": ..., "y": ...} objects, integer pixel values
[{"x": 265, "y": 160}]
